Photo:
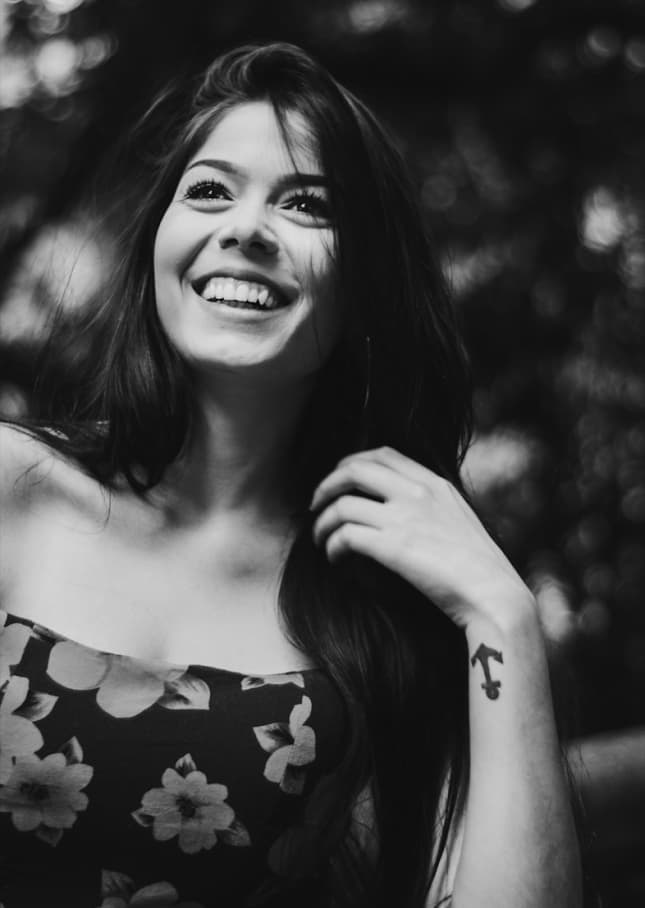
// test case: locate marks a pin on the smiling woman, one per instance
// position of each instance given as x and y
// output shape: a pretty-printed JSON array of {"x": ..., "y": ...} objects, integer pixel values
[
  {"x": 267, "y": 653},
  {"x": 243, "y": 256}
]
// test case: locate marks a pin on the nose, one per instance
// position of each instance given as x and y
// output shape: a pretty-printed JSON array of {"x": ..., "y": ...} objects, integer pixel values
[{"x": 246, "y": 227}]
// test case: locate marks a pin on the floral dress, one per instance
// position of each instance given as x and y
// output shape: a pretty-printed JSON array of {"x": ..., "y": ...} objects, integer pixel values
[{"x": 125, "y": 782}]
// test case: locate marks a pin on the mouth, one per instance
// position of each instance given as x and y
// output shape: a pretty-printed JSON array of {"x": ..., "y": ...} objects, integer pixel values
[{"x": 240, "y": 293}]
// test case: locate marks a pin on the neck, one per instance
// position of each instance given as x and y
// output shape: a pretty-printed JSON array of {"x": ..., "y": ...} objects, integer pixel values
[{"x": 237, "y": 457}]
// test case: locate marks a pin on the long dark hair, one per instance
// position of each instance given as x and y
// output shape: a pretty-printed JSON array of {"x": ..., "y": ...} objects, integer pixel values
[{"x": 397, "y": 377}]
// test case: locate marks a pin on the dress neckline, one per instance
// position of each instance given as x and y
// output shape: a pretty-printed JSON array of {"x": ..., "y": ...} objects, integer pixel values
[{"x": 162, "y": 664}]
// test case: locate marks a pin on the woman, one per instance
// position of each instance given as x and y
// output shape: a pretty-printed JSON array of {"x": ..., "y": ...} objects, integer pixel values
[{"x": 257, "y": 647}]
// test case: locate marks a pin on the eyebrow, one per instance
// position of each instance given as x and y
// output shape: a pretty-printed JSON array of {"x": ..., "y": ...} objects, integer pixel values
[{"x": 297, "y": 178}]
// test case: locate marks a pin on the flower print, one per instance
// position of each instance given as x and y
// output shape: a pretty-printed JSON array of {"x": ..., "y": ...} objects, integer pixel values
[
  {"x": 44, "y": 796},
  {"x": 126, "y": 686},
  {"x": 253, "y": 681},
  {"x": 191, "y": 808},
  {"x": 18, "y": 734},
  {"x": 291, "y": 746},
  {"x": 118, "y": 891},
  {"x": 13, "y": 640}
]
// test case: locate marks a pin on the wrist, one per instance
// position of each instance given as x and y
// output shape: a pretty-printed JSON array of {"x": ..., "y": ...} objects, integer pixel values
[{"x": 508, "y": 618}]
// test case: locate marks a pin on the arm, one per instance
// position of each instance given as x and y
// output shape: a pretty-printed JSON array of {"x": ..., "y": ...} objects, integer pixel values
[{"x": 519, "y": 846}]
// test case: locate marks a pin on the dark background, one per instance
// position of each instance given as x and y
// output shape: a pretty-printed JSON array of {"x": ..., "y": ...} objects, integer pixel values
[{"x": 524, "y": 122}]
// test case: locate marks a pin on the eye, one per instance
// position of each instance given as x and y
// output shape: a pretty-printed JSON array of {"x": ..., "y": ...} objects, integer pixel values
[
  {"x": 309, "y": 203},
  {"x": 206, "y": 191}
]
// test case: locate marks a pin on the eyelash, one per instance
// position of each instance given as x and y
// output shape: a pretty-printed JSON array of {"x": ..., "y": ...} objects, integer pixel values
[
  {"x": 204, "y": 190},
  {"x": 319, "y": 203},
  {"x": 198, "y": 191}
]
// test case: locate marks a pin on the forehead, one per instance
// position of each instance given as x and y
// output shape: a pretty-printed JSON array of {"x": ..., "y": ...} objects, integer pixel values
[{"x": 249, "y": 135}]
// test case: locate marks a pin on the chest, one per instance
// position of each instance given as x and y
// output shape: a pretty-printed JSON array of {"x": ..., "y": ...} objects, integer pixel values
[
  {"x": 186, "y": 597},
  {"x": 128, "y": 773}
]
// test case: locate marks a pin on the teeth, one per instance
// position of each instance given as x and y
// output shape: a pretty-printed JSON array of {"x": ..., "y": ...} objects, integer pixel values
[
  {"x": 242, "y": 293},
  {"x": 218, "y": 288},
  {"x": 209, "y": 290}
]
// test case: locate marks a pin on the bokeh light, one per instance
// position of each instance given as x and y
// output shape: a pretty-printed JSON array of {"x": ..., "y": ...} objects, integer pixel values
[
  {"x": 61, "y": 7},
  {"x": 635, "y": 54},
  {"x": 603, "y": 222},
  {"x": 17, "y": 80},
  {"x": 57, "y": 64},
  {"x": 517, "y": 6}
]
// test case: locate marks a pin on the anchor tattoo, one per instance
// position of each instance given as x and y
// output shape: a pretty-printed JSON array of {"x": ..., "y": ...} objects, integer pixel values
[{"x": 483, "y": 654}]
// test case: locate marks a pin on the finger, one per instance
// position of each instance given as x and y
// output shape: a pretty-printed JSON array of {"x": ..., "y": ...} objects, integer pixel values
[
  {"x": 353, "y": 537},
  {"x": 372, "y": 479},
  {"x": 346, "y": 509},
  {"x": 404, "y": 465}
]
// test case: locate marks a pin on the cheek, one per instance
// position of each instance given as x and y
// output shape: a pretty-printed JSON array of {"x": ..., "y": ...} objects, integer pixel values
[
  {"x": 163, "y": 252},
  {"x": 169, "y": 253},
  {"x": 165, "y": 259},
  {"x": 326, "y": 300},
  {"x": 321, "y": 271}
]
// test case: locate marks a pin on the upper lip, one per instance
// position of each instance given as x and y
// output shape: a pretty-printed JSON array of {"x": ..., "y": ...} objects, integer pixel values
[{"x": 283, "y": 289}]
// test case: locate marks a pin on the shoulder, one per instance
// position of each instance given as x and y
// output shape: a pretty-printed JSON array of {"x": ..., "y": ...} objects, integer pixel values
[
  {"x": 24, "y": 462},
  {"x": 41, "y": 490},
  {"x": 31, "y": 471}
]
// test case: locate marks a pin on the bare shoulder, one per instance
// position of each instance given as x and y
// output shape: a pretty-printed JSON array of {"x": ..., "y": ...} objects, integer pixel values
[
  {"x": 25, "y": 461},
  {"x": 32, "y": 471},
  {"x": 41, "y": 493}
]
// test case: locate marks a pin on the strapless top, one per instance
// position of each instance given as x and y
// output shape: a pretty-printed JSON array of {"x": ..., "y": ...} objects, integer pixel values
[{"x": 126, "y": 782}]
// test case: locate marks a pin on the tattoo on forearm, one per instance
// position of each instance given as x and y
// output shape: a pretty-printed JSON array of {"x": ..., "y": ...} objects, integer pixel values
[{"x": 483, "y": 654}]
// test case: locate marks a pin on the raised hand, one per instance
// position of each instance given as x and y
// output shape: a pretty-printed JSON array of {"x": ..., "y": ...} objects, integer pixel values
[{"x": 388, "y": 507}]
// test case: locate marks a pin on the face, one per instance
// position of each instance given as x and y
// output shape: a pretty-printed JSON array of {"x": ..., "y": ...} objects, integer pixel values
[{"x": 243, "y": 257}]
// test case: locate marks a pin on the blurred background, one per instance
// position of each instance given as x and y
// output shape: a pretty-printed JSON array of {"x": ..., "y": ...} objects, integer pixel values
[{"x": 524, "y": 123}]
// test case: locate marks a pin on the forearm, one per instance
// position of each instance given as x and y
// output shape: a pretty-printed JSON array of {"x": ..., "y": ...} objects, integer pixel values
[{"x": 519, "y": 848}]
